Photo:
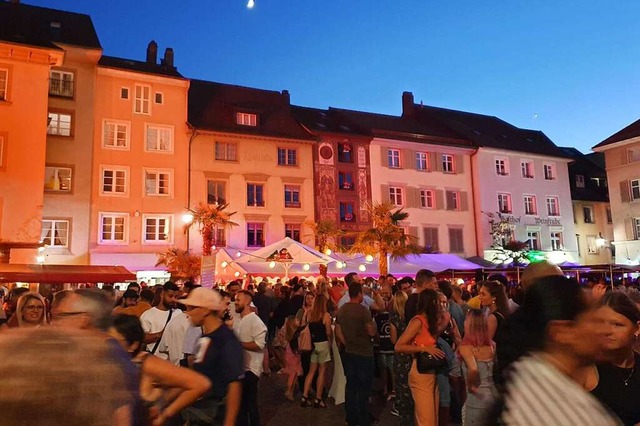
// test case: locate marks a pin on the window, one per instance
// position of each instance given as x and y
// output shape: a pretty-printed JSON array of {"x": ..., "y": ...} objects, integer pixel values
[
  {"x": 578, "y": 245},
  {"x": 345, "y": 153},
  {"x": 124, "y": 93},
  {"x": 579, "y": 181},
  {"x": 142, "y": 104},
  {"x": 159, "y": 98},
  {"x": 427, "y": 198},
  {"x": 57, "y": 179},
  {"x": 526, "y": 168},
  {"x": 157, "y": 182},
  {"x": 508, "y": 235},
  {"x": 502, "y": 168},
  {"x": 255, "y": 195},
  {"x": 255, "y": 234},
  {"x": 219, "y": 237},
  {"x": 347, "y": 242},
  {"x": 226, "y": 151},
  {"x": 4, "y": 83},
  {"x": 431, "y": 240},
  {"x": 292, "y": 230},
  {"x": 504, "y": 203},
  {"x": 533, "y": 238},
  {"x": 59, "y": 124},
  {"x": 556, "y": 241},
  {"x": 115, "y": 135},
  {"x": 633, "y": 155},
  {"x": 395, "y": 195},
  {"x": 636, "y": 228},
  {"x": 549, "y": 171},
  {"x": 291, "y": 196},
  {"x": 553, "y": 206},
  {"x": 345, "y": 180},
  {"x": 113, "y": 228},
  {"x": 215, "y": 192},
  {"x": 393, "y": 158},
  {"x": 609, "y": 217},
  {"x": 346, "y": 212},
  {"x": 245, "y": 119},
  {"x": 422, "y": 161},
  {"x": 159, "y": 138},
  {"x": 287, "y": 157},
  {"x": 157, "y": 228},
  {"x": 447, "y": 163},
  {"x": 61, "y": 83},
  {"x": 635, "y": 189},
  {"x": 453, "y": 200},
  {"x": 456, "y": 242},
  {"x": 55, "y": 233},
  {"x": 592, "y": 244},
  {"x": 589, "y": 217},
  {"x": 530, "y": 205},
  {"x": 114, "y": 181}
]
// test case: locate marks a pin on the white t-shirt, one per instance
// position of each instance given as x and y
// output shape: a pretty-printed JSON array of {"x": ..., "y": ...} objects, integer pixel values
[
  {"x": 172, "y": 341},
  {"x": 251, "y": 329},
  {"x": 153, "y": 321},
  {"x": 235, "y": 316}
]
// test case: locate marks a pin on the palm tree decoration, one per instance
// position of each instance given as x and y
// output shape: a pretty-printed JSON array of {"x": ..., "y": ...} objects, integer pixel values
[
  {"x": 386, "y": 237},
  {"x": 325, "y": 235},
  {"x": 180, "y": 264},
  {"x": 211, "y": 219}
]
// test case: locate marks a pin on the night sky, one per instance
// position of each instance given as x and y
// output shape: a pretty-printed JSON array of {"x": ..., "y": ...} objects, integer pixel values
[{"x": 568, "y": 68}]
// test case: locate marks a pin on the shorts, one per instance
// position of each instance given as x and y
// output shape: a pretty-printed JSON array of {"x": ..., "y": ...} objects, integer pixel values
[
  {"x": 321, "y": 353},
  {"x": 385, "y": 361}
]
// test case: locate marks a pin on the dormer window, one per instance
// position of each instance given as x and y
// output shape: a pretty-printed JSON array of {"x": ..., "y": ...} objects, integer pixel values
[
  {"x": 579, "y": 181},
  {"x": 245, "y": 119}
]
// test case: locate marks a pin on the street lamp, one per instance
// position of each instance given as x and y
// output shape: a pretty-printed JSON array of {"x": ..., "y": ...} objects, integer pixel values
[{"x": 600, "y": 241}]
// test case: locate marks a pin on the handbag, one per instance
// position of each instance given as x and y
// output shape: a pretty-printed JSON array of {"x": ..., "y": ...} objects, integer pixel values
[
  {"x": 427, "y": 363},
  {"x": 304, "y": 338}
]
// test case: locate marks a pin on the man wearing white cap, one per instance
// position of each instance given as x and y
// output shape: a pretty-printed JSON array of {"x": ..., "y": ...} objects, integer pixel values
[{"x": 219, "y": 357}]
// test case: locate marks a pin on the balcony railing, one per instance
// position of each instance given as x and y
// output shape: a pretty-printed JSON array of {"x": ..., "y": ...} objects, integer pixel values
[{"x": 60, "y": 87}]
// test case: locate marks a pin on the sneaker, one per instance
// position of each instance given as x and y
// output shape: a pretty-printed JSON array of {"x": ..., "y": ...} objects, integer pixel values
[{"x": 395, "y": 412}]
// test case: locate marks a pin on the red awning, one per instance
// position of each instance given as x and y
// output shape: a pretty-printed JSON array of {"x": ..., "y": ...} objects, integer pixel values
[{"x": 60, "y": 274}]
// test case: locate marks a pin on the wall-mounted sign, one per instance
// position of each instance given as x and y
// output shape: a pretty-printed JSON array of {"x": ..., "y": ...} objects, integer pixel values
[{"x": 548, "y": 221}]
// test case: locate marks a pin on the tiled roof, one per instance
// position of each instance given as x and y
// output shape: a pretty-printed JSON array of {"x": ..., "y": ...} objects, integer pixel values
[
  {"x": 589, "y": 167},
  {"x": 213, "y": 106},
  {"x": 324, "y": 120},
  {"x": 629, "y": 132},
  {"x": 139, "y": 66},
  {"x": 393, "y": 127},
  {"x": 490, "y": 131},
  {"x": 38, "y": 26}
]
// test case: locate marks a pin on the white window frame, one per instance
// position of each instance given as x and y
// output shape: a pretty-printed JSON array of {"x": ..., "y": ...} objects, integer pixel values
[
  {"x": 287, "y": 159},
  {"x": 448, "y": 163},
  {"x": 556, "y": 240},
  {"x": 254, "y": 202},
  {"x": 636, "y": 228},
  {"x": 428, "y": 198},
  {"x": 592, "y": 244},
  {"x": 4, "y": 83},
  {"x": 52, "y": 231},
  {"x": 255, "y": 225},
  {"x": 115, "y": 170},
  {"x": 533, "y": 202},
  {"x": 246, "y": 119},
  {"x": 225, "y": 146},
  {"x": 396, "y": 195},
  {"x": 161, "y": 131},
  {"x": 62, "y": 74},
  {"x": 54, "y": 128},
  {"x": 592, "y": 214},
  {"x": 393, "y": 158},
  {"x": 456, "y": 198},
  {"x": 422, "y": 161},
  {"x": 527, "y": 166},
  {"x": 140, "y": 100},
  {"x": 531, "y": 233},
  {"x": 56, "y": 175},
  {"x": 634, "y": 184},
  {"x": 118, "y": 126},
  {"x": 504, "y": 203},
  {"x": 502, "y": 166},
  {"x": 157, "y": 217},
  {"x": 125, "y": 228},
  {"x": 155, "y": 98},
  {"x": 215, "y": 193},
  {"x": 550, "y": 171},
  {"x": 158, "y": 172},
  {"x": 556, "y": 203}
]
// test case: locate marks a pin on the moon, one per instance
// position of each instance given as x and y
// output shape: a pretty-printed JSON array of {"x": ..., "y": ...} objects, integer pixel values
[{"x": 250, "y": 4}]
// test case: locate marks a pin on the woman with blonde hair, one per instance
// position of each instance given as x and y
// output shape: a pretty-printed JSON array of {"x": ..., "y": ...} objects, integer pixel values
[
  {"x": 319, "y": 322},
  {"x": 30, "y": 311}
]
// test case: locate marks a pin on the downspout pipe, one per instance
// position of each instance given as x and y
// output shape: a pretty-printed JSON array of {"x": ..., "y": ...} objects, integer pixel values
[{"x": 194, "y": 133}]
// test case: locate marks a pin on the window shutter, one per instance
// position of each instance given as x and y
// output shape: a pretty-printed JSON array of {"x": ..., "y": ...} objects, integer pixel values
[
  {"x": 413, "y": 232},
  {"x": 437, "y": 163},
  {"x": 385, "y": 194},
  {"x": 433, "y": 161},
  {"x": 464, "y": 202},
  {"x": 625, "y": 192},
  {"x": 415, "y": 196},
  {"x": 459, "y": 163},
  {"x": 431, "y": 239},
  {"x": 409, "y": 159},
  {"x": 629, "y": 228},
  {"x": 384, "y": 157},
  {"x": 440, "y": 199}
]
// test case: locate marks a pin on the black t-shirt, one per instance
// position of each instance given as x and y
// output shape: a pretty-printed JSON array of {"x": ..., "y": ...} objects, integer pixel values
[
  {"x": 411, "y": 308},
  {"x": 620, "y": 398},
  {"x": 383, "y": 325},
  {"x": 264, "y": 305},
  {"x": 220, "y": 358}
]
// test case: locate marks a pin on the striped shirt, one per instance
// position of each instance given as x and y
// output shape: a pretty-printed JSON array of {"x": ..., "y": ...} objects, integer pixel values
[{"x": 539, "y": 394}]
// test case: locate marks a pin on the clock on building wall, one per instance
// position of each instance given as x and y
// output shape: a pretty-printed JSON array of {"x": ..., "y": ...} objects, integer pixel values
[{"x": 325, "y": 151}]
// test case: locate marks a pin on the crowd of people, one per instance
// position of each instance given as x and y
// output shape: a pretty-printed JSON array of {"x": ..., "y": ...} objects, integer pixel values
[{"x": 546, "y": 350}]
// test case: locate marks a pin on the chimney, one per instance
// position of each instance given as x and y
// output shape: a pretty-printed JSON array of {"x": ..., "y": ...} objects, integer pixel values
[
  {"x": 152, "y": 52},
  {"x": 167, "y": 61},
  {"x": 408, "y": 108},
  {"x": 286, "y": 98}
]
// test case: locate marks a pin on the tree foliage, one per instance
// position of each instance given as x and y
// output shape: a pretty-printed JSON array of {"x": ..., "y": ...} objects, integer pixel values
[
  {"x": 179, "y": 263},
  {"x": 210, "y": 219},
  {"x": 325, "y": 235}
]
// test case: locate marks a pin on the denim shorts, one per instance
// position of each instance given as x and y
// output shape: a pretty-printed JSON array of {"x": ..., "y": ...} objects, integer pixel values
[{"x": 321, "y": 353}]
